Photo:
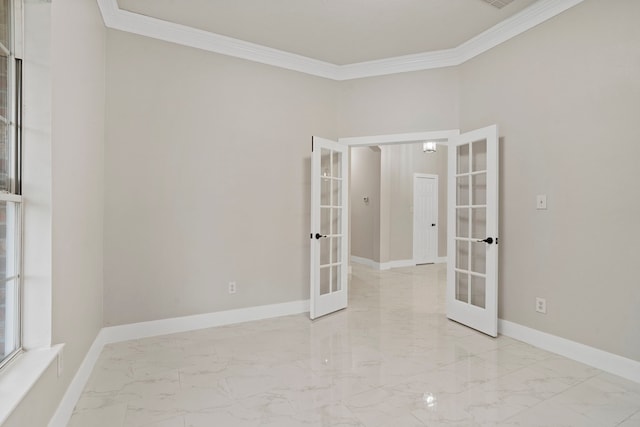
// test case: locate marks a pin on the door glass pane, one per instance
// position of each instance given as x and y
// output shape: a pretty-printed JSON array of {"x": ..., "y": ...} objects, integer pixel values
[
  {"x": 5, "y": 23},
  {"x": 336, "y": 223},
  {"x": 462, "y": 254},
  {"x": 325, "y": 192},
  {"x": 479, "y": 223},
  {"x": 325, "y": 221},
  {"x": 336, "y": 194},
  {"x": 335, "y": 249},
  {"x": 462, "y": 222},
  {"x": 325, "y": 162},
  {"x": 325, "y": 277},
  {"x": 479, "y": 161},
  {"x": 337, "y": 164},
  {"x": 478, "y": 291},
  {"x": 478, "y": 257},
  {"x": 462, "y": 190},
  {"x": 9, "y": 288},
  {"x": 462, "y": 287},
  {"x": 325, "y": 251},
  {"x": 463, "y": 158},
  {"x": 479, "y": 192},
  {"x": 336, "y": 282},
  {"x": 5, "y": 141}
]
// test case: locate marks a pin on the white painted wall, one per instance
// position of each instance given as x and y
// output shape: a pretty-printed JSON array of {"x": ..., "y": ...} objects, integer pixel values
[
  {"x": 207, "y": 170},
  {"x": 566, "y": 96},
  {"x": 67, "y": 147}
]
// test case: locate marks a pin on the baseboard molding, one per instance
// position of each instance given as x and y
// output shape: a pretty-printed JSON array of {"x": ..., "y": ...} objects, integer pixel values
[
  {"x": 113, "y": 334},
  {"x": 383, "y": 265},
  {"x": 608, "y": 362},
  {"x": 201, "y": 321},
  {"x": 365, "y": 261},
  {"x": 63, "y": 414},
  {"x": 397, "y": 264}
]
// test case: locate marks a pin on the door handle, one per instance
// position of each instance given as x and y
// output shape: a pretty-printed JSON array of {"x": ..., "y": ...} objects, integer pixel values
[
  {"x": 433, "y": 225},
  {"x": 488, "y": 240},
  {"x": 318, "y": 236}
]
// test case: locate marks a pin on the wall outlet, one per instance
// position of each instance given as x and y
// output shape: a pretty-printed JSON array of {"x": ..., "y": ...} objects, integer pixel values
[
  {"x": 541, "y": 305},
  {"x": 541, "y": 201},
  {"x": 232, "y": 287}
]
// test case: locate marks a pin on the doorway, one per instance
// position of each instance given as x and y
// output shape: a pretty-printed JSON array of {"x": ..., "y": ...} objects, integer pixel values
[{"x": 425, "y": 218}]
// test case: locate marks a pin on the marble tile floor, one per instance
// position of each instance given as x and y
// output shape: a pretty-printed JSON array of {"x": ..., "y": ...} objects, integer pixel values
[{"x": 392, "y": 359}]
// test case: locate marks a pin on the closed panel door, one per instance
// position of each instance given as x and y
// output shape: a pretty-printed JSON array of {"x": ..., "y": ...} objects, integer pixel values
[
  {"x": 472, "y": 280},
  {"x": 425, "y": 219},
  {"x": 329, "y": 258}
]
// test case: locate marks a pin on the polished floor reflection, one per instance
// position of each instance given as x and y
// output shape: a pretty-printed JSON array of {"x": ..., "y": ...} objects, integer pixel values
[{"x": 391, "y": 359}]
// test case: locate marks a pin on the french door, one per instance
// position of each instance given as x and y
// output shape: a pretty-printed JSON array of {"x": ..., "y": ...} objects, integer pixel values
[
  {"x": 329, "y": 202},
  {"x": 472, "y": 242}
]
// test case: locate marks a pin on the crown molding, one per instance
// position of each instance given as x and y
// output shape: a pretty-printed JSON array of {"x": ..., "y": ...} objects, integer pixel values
[{"x": 118, "y": 19}]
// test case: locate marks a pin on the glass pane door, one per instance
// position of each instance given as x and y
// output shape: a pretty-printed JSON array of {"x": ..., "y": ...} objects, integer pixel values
[
  {"x": 473, "y": 215},
  {"x": 328, "y": 227}
]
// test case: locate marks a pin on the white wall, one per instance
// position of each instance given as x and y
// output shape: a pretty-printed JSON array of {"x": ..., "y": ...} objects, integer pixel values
[
  {"x": 566, "y": 96},
  {"x": 407, "y": 102},
  {"x": 207, "y": 171},
  {"x": 73, "y": 153}
]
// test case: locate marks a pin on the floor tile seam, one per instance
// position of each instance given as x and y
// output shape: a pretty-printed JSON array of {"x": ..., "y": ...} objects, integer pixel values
[
  {"x": 628, "y": 418},
  {"x": 549, "y": 399}
]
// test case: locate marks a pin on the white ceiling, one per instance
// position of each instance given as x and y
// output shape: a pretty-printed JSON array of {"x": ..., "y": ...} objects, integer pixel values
[{"x": 336, "y": 31}]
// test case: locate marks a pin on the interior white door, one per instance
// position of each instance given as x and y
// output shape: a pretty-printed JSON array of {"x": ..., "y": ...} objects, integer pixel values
[
  {"x": 425, "y": 218},
  {"x": 329, "y": 254},
  {"x": 472, "y": 238}
]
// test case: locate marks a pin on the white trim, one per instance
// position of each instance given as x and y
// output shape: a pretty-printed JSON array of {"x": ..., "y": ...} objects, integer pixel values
[
  {"x": 608, "y": 362},
  {"x": 383, "y": 265},
  {"x": 538, "y": 12},
  {"x": 441, "y": 260},
  {"x": 441, "y": 136},
  {"x": 113, "y": 334},
  {"x": 23, "y": 373},
  {"x": 399, "y": 263},
  {"x": 71, "y": 396},
  {"x": 10, "y": 197},
  {"x": 174, "y": 325},
  {"x": 365, "y": 261}
]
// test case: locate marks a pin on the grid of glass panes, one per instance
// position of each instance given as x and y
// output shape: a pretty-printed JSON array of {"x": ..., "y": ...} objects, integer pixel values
[
  {"x": 330, "y": 221},
  {"x": 10, "y": 201},
  {"x": 471, "y": 223}
]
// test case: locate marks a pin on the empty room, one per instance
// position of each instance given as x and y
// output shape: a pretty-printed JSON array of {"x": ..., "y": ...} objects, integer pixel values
[{"x": 319, "y": 213}]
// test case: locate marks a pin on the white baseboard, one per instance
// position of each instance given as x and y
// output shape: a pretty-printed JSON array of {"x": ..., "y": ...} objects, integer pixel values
[
  {"x": 113, "y": 334},
  {"x": 365, "y": 261},
  {"x": 391, "y": 264},
  {"x": 608, "y": 362},
  {"x": 201, "y": 321},
  {"x": 397, "y": 264},
  {"x": 63, "y": 414},
  {"x": 383, "y": 265}
]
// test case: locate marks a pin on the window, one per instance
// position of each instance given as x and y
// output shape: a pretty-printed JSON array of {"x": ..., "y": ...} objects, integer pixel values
[{"x": 10, "y": 198}]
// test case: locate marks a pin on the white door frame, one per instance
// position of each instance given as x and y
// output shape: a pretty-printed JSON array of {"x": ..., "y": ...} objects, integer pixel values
[
  {"x": 417, "y": 176},
  {"x": 442, "y": 137}
]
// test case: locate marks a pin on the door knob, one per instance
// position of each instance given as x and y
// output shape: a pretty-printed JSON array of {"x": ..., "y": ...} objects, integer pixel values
[
  {"x": 433, "y": 225},
  {"x": 488, "y": 240},
  {"x": 318, "y": 236}
]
